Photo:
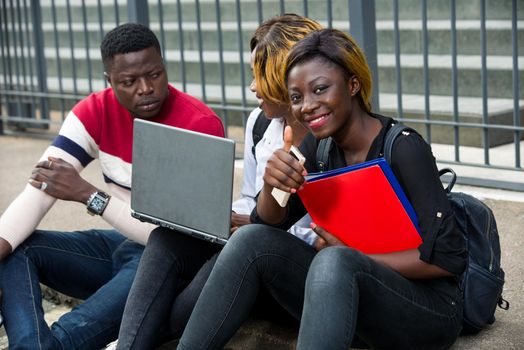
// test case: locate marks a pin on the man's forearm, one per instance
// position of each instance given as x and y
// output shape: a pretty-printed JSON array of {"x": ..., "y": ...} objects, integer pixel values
[{"x": 5, "y": 248}]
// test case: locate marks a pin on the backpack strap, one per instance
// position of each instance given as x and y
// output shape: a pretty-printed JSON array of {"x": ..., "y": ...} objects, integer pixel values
[
  {"x": 391, "y": 135},
  {"x": 323, "y": 148},
  {"x": 452, "y": 178},
  {"x": 259, "y": 128},
  {"x": 394, "y": 131},
  {"x": 324, "y": 145}
]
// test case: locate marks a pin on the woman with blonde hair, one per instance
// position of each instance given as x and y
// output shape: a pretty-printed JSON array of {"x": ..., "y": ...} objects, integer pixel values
[{"x": 269, "y": 46}]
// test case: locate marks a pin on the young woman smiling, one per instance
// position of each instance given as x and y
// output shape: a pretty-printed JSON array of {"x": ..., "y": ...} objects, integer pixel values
[{"x": 343, "y": 298}]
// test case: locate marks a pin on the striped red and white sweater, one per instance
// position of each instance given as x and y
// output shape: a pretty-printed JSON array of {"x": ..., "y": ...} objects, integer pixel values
[{"x": 99, "y": 127}]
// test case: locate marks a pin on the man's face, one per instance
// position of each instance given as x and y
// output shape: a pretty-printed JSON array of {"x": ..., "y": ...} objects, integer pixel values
[{"x": 139, "y": 80}]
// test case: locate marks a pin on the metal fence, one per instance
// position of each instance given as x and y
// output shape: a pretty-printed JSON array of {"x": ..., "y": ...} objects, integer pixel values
[{"x": 450, "y": 68}]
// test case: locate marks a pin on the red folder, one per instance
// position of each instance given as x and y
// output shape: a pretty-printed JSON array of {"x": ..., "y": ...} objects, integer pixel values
[{"x": 364, "y": 206}]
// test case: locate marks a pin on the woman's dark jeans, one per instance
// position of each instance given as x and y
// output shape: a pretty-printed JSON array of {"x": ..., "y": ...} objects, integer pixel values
[
  {"x": 347, "y": 293},
  {"x": 348, "y": 296},
  {"x": 170, "y": 277}
]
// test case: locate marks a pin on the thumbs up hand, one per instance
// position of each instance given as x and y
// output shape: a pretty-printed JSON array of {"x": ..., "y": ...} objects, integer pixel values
[
  {"x": 284, "y": 171},
  {"x": 288, "y": 138}
]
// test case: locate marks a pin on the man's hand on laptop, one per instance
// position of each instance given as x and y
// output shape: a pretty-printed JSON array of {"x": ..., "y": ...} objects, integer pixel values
[
  {"x": 238, "y": 220},
  {"x": 60, "y": 179}
]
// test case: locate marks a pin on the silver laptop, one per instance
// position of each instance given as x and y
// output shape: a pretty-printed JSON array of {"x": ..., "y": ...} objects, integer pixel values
[{"x": 182, "y": 180}]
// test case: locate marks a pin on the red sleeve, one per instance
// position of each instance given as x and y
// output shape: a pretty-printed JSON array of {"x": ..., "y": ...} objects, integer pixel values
[{"x": 211, "y": 125}]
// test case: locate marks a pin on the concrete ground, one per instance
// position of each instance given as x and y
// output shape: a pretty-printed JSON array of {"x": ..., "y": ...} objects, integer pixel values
[{"x": 18, "y": 155}]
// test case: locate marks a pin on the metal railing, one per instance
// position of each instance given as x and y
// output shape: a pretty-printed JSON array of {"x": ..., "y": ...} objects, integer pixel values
[{"x": 428, "y": 71}]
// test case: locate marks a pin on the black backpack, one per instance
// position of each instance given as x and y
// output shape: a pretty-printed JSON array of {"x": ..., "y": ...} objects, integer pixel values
[
  {"x": 483, "y": 280},
  {"x": 259, "y": 128}
]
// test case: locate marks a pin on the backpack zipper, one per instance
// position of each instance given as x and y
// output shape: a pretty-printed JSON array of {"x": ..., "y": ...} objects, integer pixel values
[{"x": 488, "y": 235}]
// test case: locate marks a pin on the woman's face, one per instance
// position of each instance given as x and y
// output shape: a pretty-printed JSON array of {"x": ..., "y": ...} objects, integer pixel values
[
  {"x": 271, "y": 109},
  {"x": 320, "y": 96}
]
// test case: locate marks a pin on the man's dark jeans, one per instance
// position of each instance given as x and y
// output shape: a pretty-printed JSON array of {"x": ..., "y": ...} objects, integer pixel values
[{"x": 97, "y": 265}]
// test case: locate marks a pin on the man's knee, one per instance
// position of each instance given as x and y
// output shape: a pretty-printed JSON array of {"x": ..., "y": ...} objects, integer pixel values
[{"x": 127, "y": 255}]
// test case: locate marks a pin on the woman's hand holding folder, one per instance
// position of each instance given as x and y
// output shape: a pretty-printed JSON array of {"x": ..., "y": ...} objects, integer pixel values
[{"x": 324, "y": 239}]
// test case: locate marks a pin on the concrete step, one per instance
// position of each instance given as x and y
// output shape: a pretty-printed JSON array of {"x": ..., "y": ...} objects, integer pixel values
[
  {"x": 441, "y": 9},
  {"x": 469, "y": 111},
  {"x": 317, "y": 9},
  {"x": 469, "y": 79},
  {"x": 498, "y": 35}
]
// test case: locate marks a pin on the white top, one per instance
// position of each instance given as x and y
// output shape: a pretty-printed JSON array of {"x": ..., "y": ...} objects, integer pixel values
[{"x": 254, "y": 171}]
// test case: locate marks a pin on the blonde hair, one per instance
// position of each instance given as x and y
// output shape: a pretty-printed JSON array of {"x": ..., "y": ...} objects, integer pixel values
[
  {"x": 340, "y": 49},
  {"x": 272, "y": 41}
]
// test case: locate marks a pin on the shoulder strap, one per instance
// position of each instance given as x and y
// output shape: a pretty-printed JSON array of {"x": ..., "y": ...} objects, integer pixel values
[
  {"x": 324, "y": 145},
  {"x": 259, "y": 128},
  {"x": 323, "y": 148},
  {"x": 398, "y": 128},
  {"x": 391, "y": 135}
]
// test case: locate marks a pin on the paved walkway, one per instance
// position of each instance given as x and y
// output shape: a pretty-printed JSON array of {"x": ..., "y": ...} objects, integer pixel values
[{"x": 18, "y": 155}]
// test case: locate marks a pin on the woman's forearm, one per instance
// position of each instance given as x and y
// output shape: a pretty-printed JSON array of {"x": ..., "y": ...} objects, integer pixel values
[
  {"x": 409, "y": 265},
  {"x": 267, "y": 207}
]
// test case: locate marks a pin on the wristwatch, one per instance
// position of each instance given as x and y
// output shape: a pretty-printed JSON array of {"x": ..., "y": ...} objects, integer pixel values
[{"x": 97, "y": 203}]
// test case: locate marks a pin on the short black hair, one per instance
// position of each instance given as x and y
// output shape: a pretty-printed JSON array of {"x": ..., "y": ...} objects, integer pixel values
[{"x": 126, "y": 38}]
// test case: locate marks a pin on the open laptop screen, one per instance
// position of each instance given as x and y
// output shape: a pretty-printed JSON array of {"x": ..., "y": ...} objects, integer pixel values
[{"x": 182, "y": 179}]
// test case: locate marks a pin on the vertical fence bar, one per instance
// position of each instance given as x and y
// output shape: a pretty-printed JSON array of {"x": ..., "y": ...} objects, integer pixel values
[
  {"x": 101, "y": 28},
  {"x": 181, "y": 46},
  {"x": 221, "y": 66},
  {"x": 100, "y": 19},
  {"x": 20, "y": 32},
  {"x": 8, "y": 72},
  {"x": 282, "y": 7},
  {"x": 162, "y": 32},
  {"x": 29, "y": 50},
  {"x": 330, "y": 13},
  {"x": 241, "y": 57},
  {"x": 515, "y": 81},
  {"x": 39, "y": 45},
  {"x": 362, "y": 27},
  {"x": 117, "y": 13},
  {"x": 306, "y": 9},
  {"x": 18, "y": 107},
  {"x": 398, "y": 67},
  {"x": 200, "y": 52},
  {"x": 2, "y": 49},
  {"x": 4, "y": 72},
  {"x": 484, "y": 79},
  {"x": 454, "y": 80},
  {"x": 72, "y": 47},
  {"x": 260, "y": 11},
  {"x": 58, "y": 60},
  {"x": 88, "y": 55},
  {"x": 425, "y": 57},
  {"x": 138, "y": 12}
]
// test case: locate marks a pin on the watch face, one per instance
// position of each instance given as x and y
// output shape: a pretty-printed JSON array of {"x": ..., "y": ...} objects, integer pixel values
[{"x": 97, "y": 204}]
